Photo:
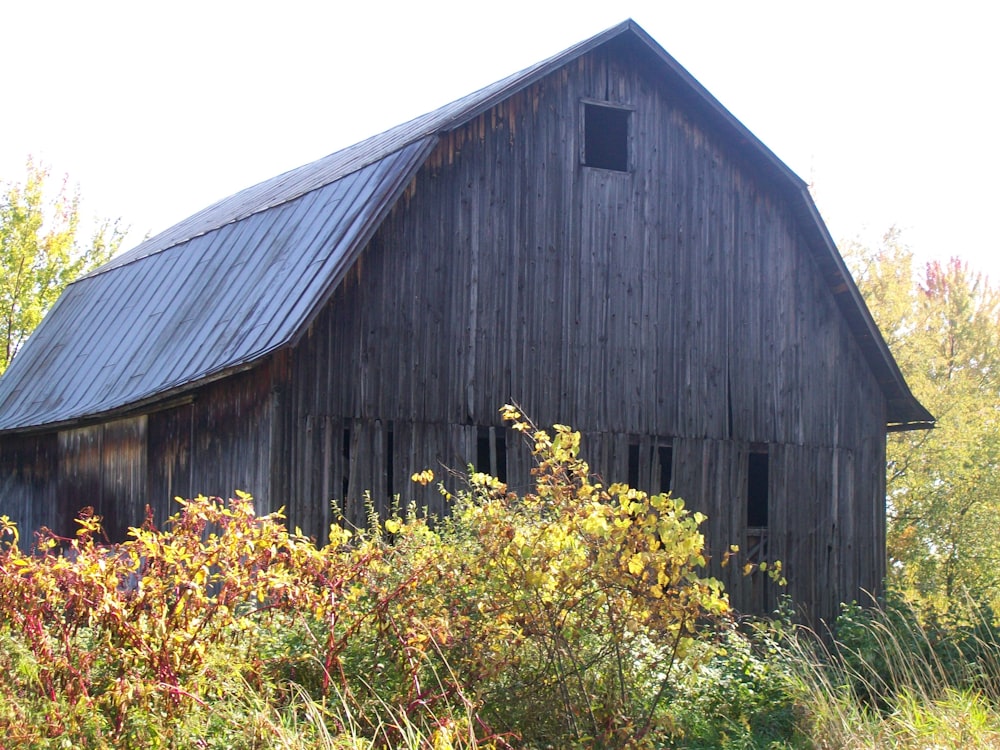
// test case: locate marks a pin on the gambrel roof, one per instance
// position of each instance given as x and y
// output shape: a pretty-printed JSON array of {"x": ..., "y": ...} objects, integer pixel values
[{"x": 243, "y": 278}]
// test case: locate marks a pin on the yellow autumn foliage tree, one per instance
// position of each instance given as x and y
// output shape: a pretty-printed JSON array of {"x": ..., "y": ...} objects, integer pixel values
[{"x": 41, "y": 251}]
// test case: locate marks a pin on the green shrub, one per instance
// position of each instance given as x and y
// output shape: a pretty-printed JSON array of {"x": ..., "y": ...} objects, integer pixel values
[{"x": 741, "y": 695}]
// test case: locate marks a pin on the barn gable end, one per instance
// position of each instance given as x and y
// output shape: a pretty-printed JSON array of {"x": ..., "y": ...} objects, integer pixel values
[{"x": 595, "y": 238}]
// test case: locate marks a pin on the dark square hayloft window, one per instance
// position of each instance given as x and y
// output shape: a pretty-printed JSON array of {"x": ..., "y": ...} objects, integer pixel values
[{"x": 605, "y": 136}]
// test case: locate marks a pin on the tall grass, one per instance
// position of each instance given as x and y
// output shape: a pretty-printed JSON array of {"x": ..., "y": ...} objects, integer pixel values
[
  {"x": 883, "y": 676},
  {"x": 889, "y": 679}
]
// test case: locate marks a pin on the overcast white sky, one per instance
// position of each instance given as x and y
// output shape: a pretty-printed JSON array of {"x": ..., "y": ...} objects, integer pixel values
[{"x": 158, "y": 109}]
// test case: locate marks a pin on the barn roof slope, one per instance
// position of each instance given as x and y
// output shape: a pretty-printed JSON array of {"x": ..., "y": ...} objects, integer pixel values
[
  {"x": 240, "y": 279},
  {"x": 218, "y": 301}
]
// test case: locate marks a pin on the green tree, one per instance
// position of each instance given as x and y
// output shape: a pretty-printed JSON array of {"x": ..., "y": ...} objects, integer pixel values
[
  {"x": 942, "y": 323},
  {"x": 41, "y": 251}
]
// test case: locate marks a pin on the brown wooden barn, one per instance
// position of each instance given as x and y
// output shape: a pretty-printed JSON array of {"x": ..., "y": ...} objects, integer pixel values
[{"x": 595, "y": 237}]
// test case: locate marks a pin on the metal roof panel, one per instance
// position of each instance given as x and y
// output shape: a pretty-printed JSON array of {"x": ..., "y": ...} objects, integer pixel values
[{"x": 212, "y": 303}]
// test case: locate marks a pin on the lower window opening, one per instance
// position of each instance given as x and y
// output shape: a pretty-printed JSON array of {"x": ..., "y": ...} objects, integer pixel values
[
  {"x": 388, "y": 464},
  {"x": 666, "y": 455},
  {"x": 633, "y": 466},
  {"x": 757, "y": 481},
  {"x": 346, "y": 452},
  {"x": 491, "y": 452}
]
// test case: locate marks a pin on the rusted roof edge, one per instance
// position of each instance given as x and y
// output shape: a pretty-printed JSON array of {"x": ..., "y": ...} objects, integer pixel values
[{"x": 910, "y": 426}]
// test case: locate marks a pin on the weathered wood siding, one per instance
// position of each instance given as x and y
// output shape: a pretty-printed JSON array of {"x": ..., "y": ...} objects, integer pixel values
[
  {"x": 673, "y": 302},
  {"x": 170, "y": 465},
  {"x": 217, "y": 444},
  {"x": 27, "y": 490},
  {"x": 103, "y": 467}
]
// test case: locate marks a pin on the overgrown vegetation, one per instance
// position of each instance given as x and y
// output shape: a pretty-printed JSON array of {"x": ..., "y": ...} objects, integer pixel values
[
  {"x": 557, "y": 618},
  {"x": 575, "y": 615},
  {"x": 893, "y": 680}
]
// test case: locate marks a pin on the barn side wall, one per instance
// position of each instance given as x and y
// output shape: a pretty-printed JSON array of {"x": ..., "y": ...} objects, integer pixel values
[
  {"x": 103, "y": 467},
  {"x": 27, "y": 490},
  {"x": 216, "y": 444},
  {"x": 675, "y": 304},
  {"x": 217, "y": 441}
]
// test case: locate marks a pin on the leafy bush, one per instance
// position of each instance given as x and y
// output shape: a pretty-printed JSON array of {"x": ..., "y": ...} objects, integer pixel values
[
  {"x": 557, "y": 616},
  {"x": 133, "y": 636},
  {"x": 741, "y": 695},
  {"x": 572, "y": 603}
]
